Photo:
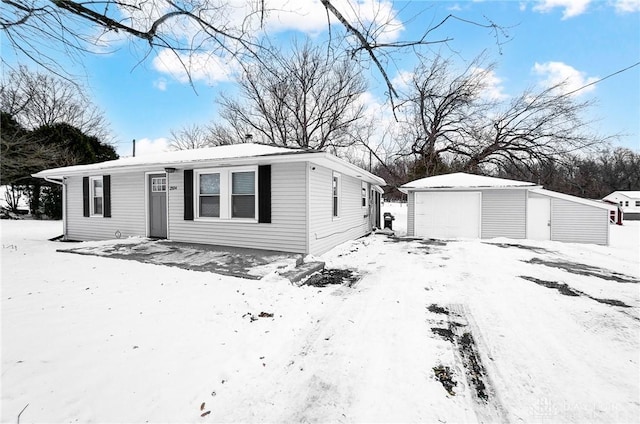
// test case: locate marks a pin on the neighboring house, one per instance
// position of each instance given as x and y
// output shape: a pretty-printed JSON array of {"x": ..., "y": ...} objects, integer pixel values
[
  {"x": 473, "y": 206},
  {"x": 629, "y": 202},
  {"x": 244, "y": 195}
]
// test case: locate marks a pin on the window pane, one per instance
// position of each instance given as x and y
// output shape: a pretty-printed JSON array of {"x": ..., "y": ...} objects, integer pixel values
[
  {"x": 210, "y": 206},
  {"x": 335, "y": 186},
  {"x": 335, "y": 206},
  {"x": 209, "y": 183},
  {"x": 97, "y": 205},
  {"x": 243, "y": 182},
  {"x": 243, "y": 206},
  {"x": 97, "y": 188}
]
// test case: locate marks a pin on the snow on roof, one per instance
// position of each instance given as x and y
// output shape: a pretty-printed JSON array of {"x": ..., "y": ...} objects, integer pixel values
[
  {"x": 213, "y": 156},
  {"x": 570, "y": 198},
  {"x": 234, "y": 151},
  {"x": 463, "y": 180},
  {"x": 629, "y": 194}
]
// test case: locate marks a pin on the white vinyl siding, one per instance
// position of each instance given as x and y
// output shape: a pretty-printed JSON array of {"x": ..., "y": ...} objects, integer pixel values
[
  {"x": 504, "y": 213},
  {"x": 577, "y": 223},
  {"x": 286, "y": 232},
  {"x": 127, "y": 210},
  {"x": 325, "y": 231}
]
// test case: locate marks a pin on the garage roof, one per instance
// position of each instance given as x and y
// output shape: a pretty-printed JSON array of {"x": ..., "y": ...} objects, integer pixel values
[{"x": 461, "y": 180}]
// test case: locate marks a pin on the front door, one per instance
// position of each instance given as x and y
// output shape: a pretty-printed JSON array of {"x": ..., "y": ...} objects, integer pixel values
[{"x": 158, "y": 205}]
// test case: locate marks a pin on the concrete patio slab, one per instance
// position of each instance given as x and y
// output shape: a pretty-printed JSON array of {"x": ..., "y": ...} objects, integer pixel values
[{"x": 238, "y": 262}]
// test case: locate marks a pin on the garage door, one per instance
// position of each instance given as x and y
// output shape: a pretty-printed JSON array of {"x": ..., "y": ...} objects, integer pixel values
[{"x": 447, "y": 215}]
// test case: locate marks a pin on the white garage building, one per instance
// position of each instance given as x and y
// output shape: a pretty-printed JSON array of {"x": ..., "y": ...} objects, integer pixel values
[{"x": 474, "y": 206}]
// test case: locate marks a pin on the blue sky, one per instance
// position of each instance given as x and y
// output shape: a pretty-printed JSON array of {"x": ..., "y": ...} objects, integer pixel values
[{"x": 582, "y": 40}]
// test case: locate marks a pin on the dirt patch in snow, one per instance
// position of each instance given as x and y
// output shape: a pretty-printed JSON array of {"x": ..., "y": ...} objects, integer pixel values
[
  {"x": 561, "y": 287},
  {"x": 521, "y": 246},
  {"x": 584, "y": 269},
  {"x": 445, "y": 333},
  {"x": 437, "y": 309},
  {"x": 568, "y": 291},
  {"x": 328, "y": 277},
  {"x": 473, "y": 365},
  {"x": 458, "y": 334},
  {"x": 445, "y": 376}
]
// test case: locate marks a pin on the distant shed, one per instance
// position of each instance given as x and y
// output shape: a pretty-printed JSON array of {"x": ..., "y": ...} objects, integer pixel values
[{"x": 474, "y": 206}]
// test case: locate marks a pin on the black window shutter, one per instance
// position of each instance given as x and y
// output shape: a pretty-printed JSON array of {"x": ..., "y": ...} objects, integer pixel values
[
  {"x": 264, "y": 194},
  {"x": 188, "y": 194},
  {"x": 106, "y": 192},
  {"x": 85, "y": 196}
]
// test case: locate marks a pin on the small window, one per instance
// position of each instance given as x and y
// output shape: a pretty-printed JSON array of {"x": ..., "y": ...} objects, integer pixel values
[
  {"x": 364, "y": 195},
  {"x": 637, "y": 202},
  {"x": 626, "y": 203},
  {"x": 97, "y": 196},
  {"x": 158, "y": 184},
  {"x": 209, "y": 195},
  {"x": 243, "y": 194},
  {"x": 336, "y": 195},
  {"x": 621, "y": 203}
]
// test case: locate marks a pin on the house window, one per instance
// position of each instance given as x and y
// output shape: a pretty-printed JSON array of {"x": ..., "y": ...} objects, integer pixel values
[
  {"x": 243, "y": 194},
  {"x": 637, "y": 202},
  {"x": 158, "y": 184},
  {"x": 227, "y": 193},
  {"x": 621, "y": 203},
  {"x": 97, "y": 196},
  {"x": 626, "y": 203},
  {"x": 364, "y": 195},
  {"x": 336, "y": 195},
  {"x": 209, "y": 195}
]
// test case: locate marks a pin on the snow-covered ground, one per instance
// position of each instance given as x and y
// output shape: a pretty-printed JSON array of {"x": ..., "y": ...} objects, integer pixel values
[{"x": 93, "y": 339}]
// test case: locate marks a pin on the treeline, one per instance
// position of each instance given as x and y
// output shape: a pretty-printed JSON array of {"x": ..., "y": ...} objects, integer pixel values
[{"x": 592, "y": 176}]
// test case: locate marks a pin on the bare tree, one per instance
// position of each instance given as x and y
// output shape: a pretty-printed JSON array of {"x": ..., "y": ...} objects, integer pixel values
[
  {"x": 190, "y": 137},
  {"x": 438, "y": 107},
  {"x": 40, "y": 29},
  {"x": 535, "y": 126},
  {"x": 309, "y": 99},
  {"x": 450, "y": 123},
  {"x": 35, "y": 99}
]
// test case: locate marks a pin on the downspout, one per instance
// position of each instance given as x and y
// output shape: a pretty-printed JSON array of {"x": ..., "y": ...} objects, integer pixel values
[{"x": 64, "y": 203}]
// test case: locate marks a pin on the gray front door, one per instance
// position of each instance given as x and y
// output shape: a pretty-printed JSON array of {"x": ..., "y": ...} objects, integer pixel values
[{"x": 158, "y": 205}]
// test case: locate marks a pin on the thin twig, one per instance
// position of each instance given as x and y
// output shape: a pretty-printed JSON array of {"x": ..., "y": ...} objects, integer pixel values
[{"x": 25, "y": 407}]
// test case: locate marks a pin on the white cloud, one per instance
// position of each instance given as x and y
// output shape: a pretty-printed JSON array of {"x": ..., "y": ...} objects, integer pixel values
[
  {"x": 627, "y": 6},
  {"x": 493, "y": 89},
  {"x": 146, "y": 146},
  {"x": 200, "y": 66},
  {"x": 554, "y": 73},
  {"x": 160, "y": 84},
  {"x": 375, "y": 16},
  {"x": 571, "y": 7}
]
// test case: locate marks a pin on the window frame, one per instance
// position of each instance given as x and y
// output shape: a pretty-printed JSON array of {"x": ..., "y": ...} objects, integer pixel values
[
  {"x": 336, "y": 195},
  {"x": 226, "y": 193},
  {"x": 364, "y": 193},
  {"x": 92, "y": 197},
  {"x": 159, "y": 187}
]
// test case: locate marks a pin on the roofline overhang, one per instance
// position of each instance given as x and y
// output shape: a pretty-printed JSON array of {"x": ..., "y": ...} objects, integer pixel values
[
  {"x": 321, "y": 158},
  {"x": 406, "y": 190}
]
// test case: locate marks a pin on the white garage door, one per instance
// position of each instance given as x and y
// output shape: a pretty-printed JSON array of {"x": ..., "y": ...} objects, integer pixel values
[{"x": 447, "y": 215}]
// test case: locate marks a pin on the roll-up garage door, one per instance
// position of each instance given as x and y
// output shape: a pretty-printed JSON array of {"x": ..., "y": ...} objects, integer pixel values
[{"x": 447, "y": 215}]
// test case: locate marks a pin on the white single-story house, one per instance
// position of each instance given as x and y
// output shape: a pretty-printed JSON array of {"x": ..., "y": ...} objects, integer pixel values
[
  {"x": 474, "y": 206},
  {"x": 629, "y": 202},
  {"x": 245, "y": 195}
]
